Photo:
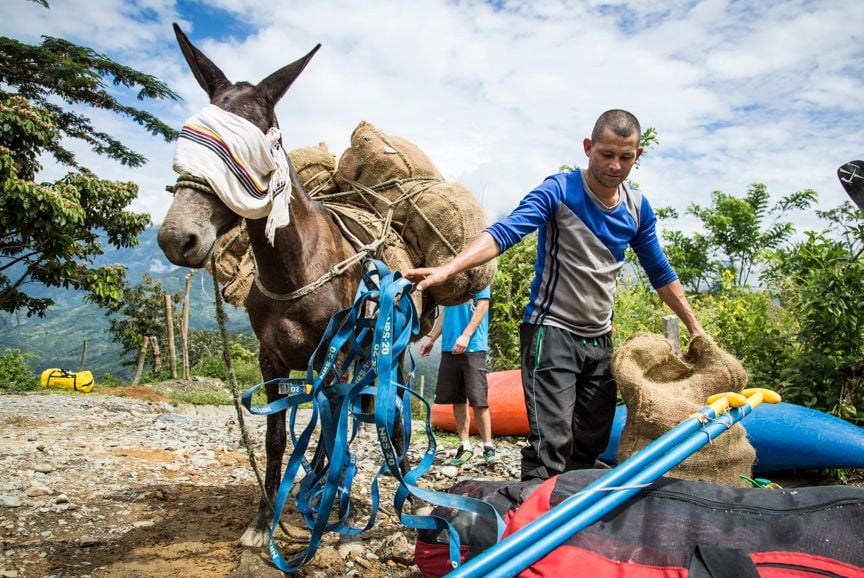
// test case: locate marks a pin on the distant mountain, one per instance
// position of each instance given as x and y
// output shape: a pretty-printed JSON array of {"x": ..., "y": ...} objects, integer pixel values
[{"x": 56, "y": 340}]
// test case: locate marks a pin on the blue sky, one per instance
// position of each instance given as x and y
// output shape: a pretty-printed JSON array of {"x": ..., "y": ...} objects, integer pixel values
[{"x": 500, "y": 94}]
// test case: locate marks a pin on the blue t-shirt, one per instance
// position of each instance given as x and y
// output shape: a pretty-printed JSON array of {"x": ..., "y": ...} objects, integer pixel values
[{"x": 456, "y": 319}]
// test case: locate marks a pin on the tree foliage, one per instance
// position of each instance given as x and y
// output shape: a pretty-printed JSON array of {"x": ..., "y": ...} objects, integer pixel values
[
  {"x": 821, "y": 283},
  {"x": 140, "y": 313},
  {"x": 49, "y": 232},
  {"x": 739, "y": 231}
]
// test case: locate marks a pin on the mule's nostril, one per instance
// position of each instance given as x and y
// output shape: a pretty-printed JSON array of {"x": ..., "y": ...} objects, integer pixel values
[{"x": 191, "y": 245}]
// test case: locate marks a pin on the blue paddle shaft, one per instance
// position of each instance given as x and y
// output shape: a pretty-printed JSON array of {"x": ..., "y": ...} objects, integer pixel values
[
  {"x": 554, "y": 537},
  {"x": 489, "y": 560}
]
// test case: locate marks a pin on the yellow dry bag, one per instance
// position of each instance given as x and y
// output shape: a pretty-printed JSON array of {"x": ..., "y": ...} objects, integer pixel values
[{"x": 78, "y": 380}]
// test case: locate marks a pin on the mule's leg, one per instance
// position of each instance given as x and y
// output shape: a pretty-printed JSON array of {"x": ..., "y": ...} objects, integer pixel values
[{"x": 256, "y": 535}]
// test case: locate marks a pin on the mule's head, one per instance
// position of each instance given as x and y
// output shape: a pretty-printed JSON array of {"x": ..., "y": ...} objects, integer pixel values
[{"x": 196, "y": 219}]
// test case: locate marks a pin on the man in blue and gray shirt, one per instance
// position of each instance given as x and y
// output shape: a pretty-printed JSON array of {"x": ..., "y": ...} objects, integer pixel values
[{"x": 586, "y": 219}]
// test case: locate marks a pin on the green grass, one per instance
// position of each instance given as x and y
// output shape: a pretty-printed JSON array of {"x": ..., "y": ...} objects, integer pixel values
[{"x": 200, "y": 398}]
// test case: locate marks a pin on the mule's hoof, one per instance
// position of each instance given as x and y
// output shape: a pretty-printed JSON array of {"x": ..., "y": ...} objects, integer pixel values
[{"x": 253, "y": 538}]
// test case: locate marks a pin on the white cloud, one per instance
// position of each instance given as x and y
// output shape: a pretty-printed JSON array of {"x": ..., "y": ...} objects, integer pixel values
[{"x": 499, "y": 98}]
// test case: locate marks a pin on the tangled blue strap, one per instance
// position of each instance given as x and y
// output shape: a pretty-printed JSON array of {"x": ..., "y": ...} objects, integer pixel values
[{"x": 359, "y": 354}]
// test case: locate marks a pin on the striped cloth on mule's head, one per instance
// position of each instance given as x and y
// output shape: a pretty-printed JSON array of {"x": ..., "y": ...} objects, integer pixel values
[{"x": 246, "y": 168}]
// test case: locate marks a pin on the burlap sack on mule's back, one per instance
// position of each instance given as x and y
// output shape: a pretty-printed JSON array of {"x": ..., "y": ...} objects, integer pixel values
[
  {"x": 661, "y": 389},
  {"x": 374, "y": 158},
  {"x": 448, "y": 210},
  {"x": 315, "y": 166},
  {"x": 435, "y": 218}
]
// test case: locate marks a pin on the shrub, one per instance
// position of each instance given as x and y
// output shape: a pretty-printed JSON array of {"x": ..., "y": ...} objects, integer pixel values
[{"x": 15, "y": 374}]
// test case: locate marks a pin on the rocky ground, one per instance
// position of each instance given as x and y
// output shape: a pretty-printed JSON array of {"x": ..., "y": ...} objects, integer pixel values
[
  {"x": 100, "y": 485},
  {"x": 108, "y": 486}
]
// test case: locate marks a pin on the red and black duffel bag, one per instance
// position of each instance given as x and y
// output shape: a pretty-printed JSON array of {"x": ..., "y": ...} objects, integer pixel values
[{"x": 677, "y": 529}]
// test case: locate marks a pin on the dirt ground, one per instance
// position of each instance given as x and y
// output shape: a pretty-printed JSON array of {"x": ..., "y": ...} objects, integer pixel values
[{"x": 126, "y": 485}]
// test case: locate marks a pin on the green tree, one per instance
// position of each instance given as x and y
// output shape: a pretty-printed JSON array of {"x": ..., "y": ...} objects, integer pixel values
[
  {"x": 821, "y": 283},
  {"x": 140, "y": 313},
  {"x": 15, "y": 373},
  {"x": 738, "y": 234},
  {"x": 49, "y": 232}
]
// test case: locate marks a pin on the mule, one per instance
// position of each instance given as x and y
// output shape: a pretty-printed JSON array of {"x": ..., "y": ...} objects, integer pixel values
[{"x": 288, "y": 329}]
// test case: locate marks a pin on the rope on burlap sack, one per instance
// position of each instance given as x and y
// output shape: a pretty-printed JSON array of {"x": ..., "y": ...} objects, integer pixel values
[{"x": 409, "y": 190}]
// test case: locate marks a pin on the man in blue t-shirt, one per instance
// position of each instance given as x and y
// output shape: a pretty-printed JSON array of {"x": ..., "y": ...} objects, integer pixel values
[
  {"x": 462, "y": 371},
  {"x": 585, "y": 220}
]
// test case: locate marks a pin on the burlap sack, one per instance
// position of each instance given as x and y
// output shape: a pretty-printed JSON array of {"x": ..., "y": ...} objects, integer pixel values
[
  {"x": 315, "y": 166},
  {"x": 448, "y": 210},
  {"x": 661, "y": 389},
  {"x": 235, "y": 265},
  {"x": 374, "y": 158},
  {"x": 435, "y": 218}
]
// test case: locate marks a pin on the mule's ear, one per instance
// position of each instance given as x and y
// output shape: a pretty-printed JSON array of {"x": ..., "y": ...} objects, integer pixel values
[
  {"x": 208, "y": 75},
  {"x": 274, "y": 86}
]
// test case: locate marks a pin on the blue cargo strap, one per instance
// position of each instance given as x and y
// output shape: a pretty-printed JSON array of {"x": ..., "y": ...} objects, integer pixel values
[{"x": 359, "y": 354}]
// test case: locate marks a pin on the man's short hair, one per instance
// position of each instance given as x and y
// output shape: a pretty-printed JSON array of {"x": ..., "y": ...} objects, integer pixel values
[{"x": 619, "y": 122}]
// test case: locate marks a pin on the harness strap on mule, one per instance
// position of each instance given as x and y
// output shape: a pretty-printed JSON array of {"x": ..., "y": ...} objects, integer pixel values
[
  {"x": 359, "y": 354},
  {"x": 188, "y": 181}
]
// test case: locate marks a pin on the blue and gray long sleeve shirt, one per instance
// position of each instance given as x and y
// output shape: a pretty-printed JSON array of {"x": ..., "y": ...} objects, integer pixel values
[{"x": 580, "y": 250}]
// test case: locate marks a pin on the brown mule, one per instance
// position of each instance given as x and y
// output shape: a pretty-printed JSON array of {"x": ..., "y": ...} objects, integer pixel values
[{"x": 303, "y": 252}]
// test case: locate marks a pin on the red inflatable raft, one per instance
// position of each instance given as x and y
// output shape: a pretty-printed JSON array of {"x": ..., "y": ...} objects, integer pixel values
[{"x": 506, "y": 407}]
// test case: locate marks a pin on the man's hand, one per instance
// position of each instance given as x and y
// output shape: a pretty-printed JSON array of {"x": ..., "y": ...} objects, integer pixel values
[
  {"x": 426, "y": 347},
  {"x": 461, "y": 345},
  {"x": 426, "y": 277}
]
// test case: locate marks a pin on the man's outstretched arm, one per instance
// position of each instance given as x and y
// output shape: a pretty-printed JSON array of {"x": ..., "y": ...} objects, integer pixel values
[{"x": 481, "y": 250}]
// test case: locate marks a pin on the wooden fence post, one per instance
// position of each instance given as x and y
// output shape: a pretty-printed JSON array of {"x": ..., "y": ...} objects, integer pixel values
[
  {"x": 169, "y": 323},
  {"x": 157, "y": 357},
  {"x": 142, "y": 353},
  {"x": 83, "y": 356},
  {"x": 672, "y": 331}
]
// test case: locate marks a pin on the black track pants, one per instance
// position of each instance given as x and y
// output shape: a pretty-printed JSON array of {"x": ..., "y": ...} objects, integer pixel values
[{"x": 570, "y": 397}]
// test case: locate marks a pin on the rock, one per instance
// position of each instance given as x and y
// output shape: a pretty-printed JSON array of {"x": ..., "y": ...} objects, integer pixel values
[
  {"x": 87, "y": 541},
  {"x": 43, "y": 468},
  {"x": 38, "y": 489},
  {"x": 329, "y": 561},
  {"x": 32, "y": 437},
  {"x": 350, "y": 549},
  {"x": 253, "y": 566},
  {"x": 61, "y": 499},
  {"x": 143, "y": 524},
  {"x": 398, "y": 548},
  {"x": 172, "y": 418},
  {"x": 450, "y": 471},
  {"x": 9, "y": 502}
]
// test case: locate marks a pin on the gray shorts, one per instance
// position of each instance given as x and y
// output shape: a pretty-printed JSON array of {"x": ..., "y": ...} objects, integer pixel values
[{"x": 462, "y": 377}]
